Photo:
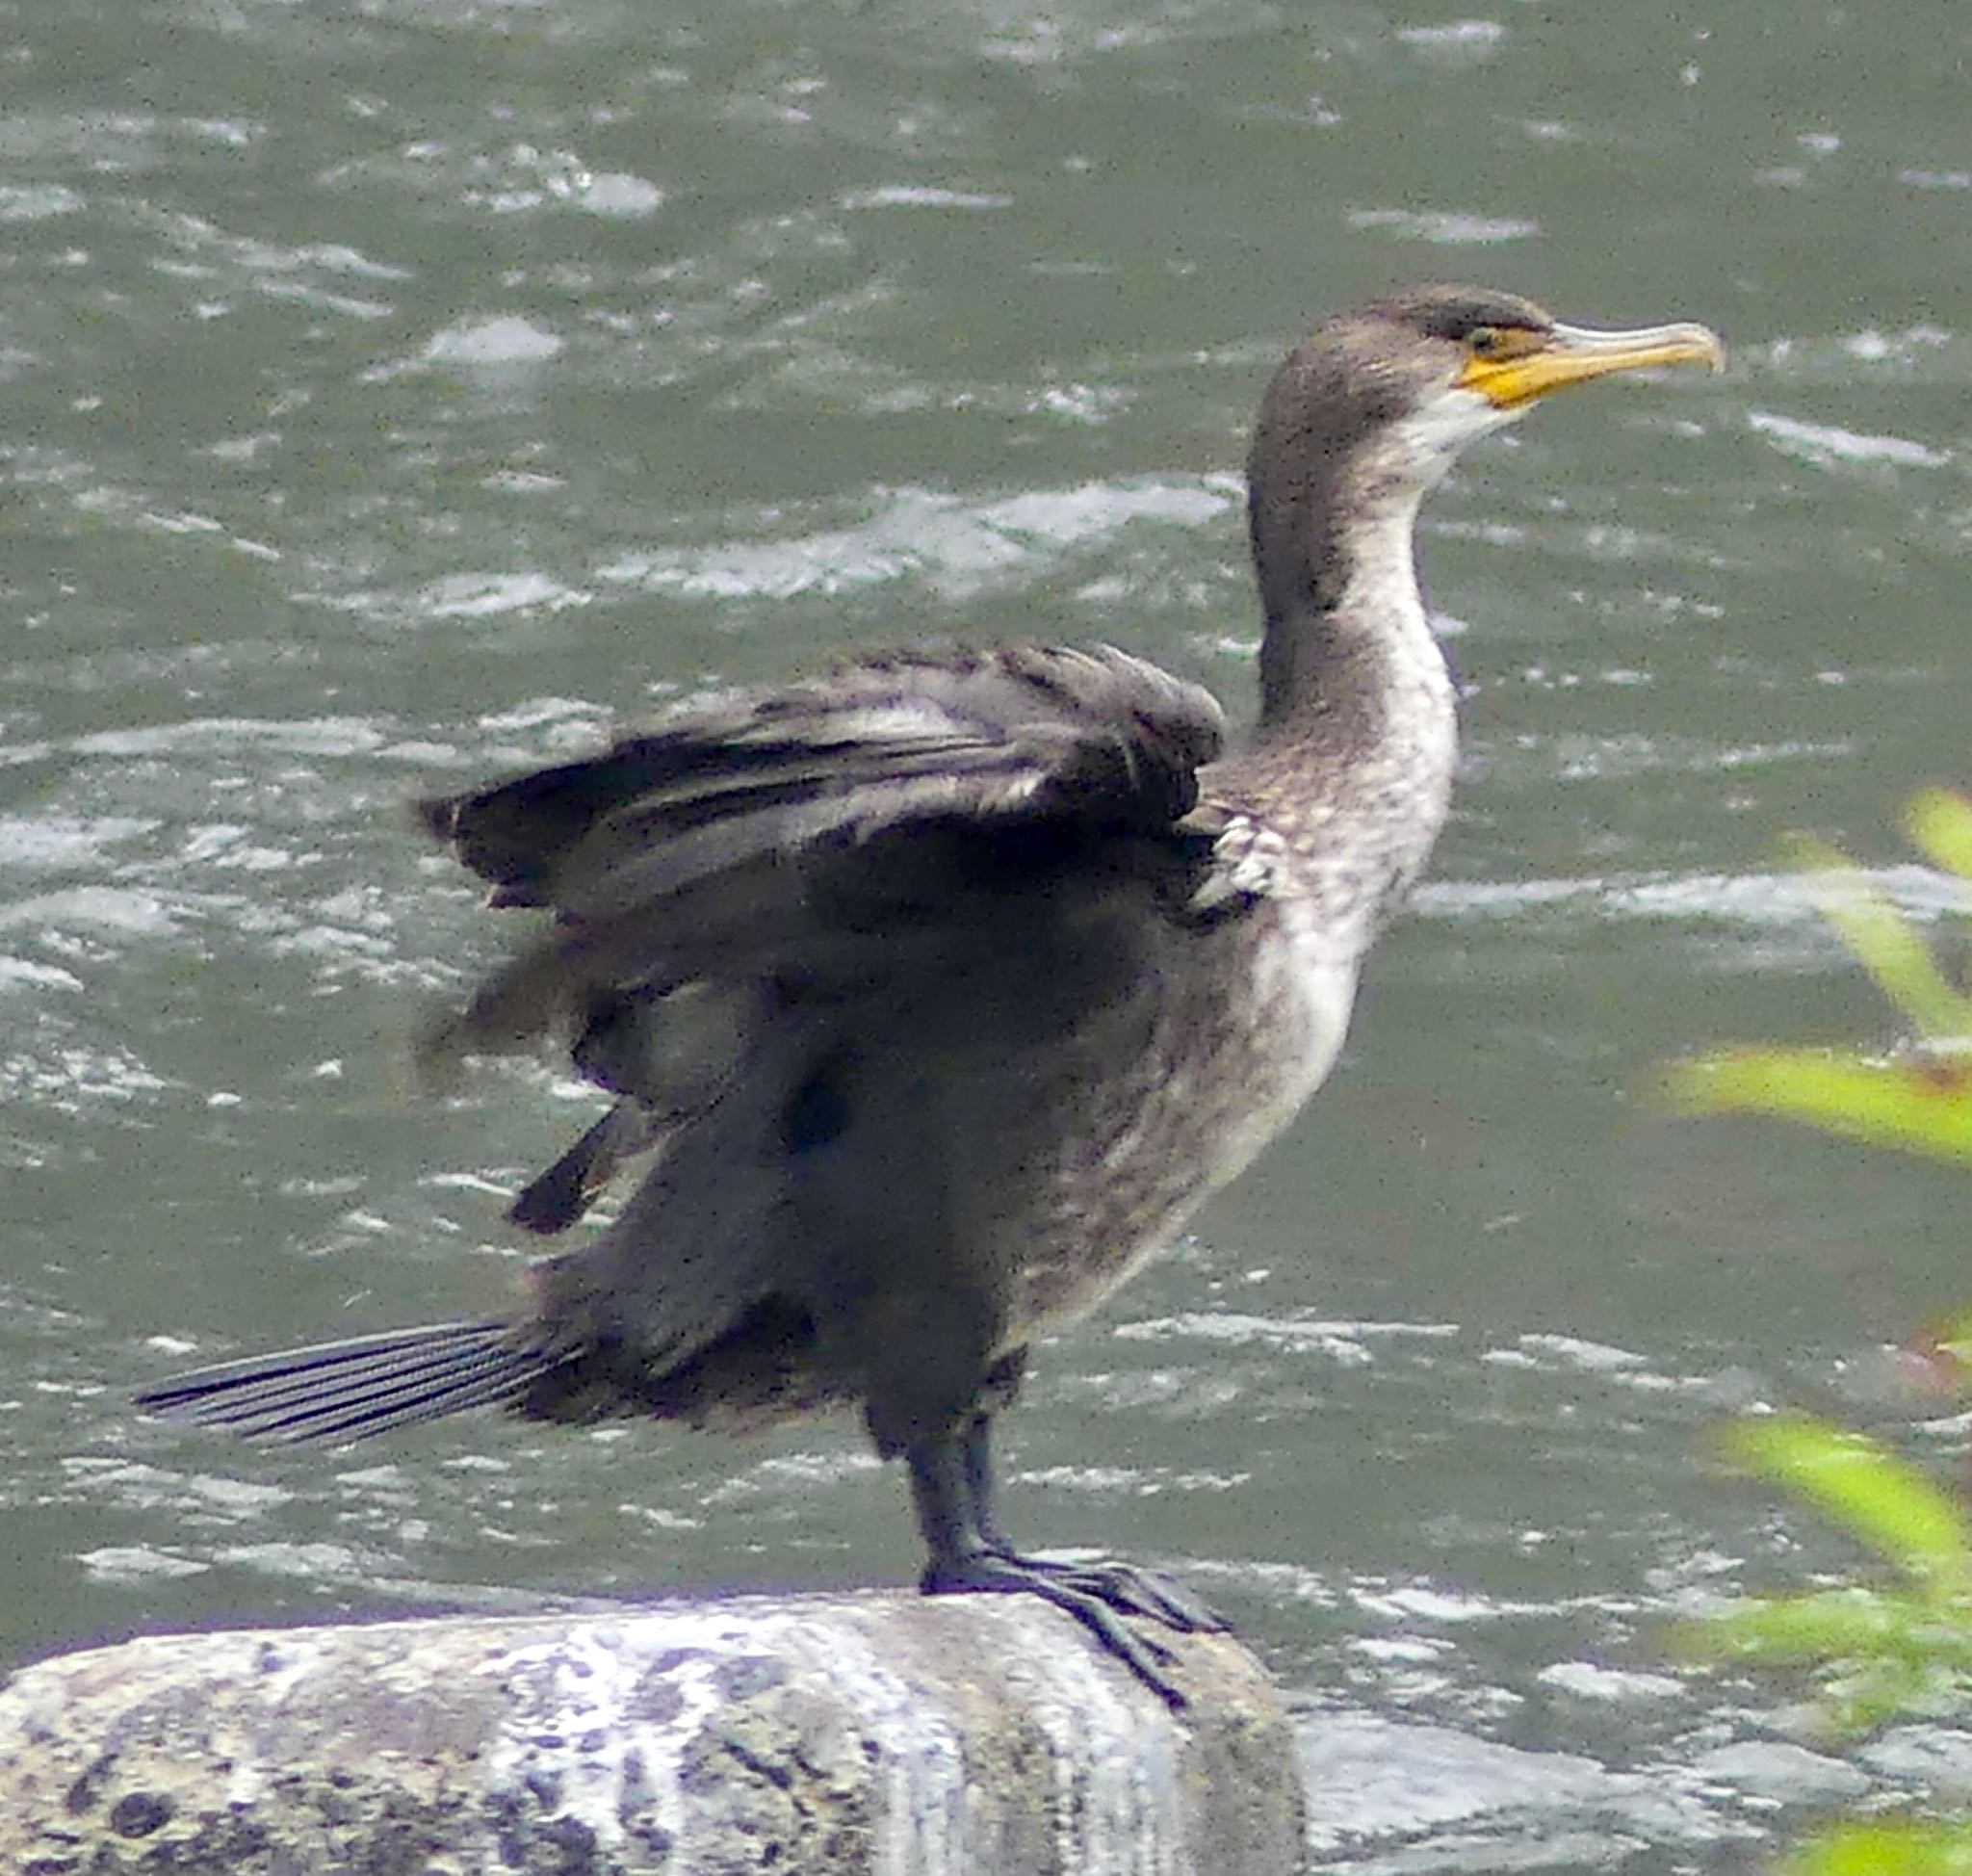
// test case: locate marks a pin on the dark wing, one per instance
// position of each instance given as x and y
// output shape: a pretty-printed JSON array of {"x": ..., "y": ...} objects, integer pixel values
[
  {"x": 844, "y": 952},
  {"x": 1019, "y": 731},
  {"x": 685, "y": 854}
]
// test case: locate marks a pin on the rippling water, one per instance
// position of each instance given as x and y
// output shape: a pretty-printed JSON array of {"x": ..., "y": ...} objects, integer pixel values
[{"x": 401, "y": 394}]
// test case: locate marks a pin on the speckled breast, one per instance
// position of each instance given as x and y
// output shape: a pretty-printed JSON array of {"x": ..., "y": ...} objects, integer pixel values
[{"x": 1240, "y": 1040}]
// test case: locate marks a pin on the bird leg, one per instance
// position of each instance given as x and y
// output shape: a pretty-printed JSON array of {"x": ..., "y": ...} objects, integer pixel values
[
  {"x": 951, "y": 1486},
  {"x": 1124, "y": 1586}
]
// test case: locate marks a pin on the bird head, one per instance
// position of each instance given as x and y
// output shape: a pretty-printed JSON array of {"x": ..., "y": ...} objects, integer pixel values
[{"x": 1418, "y": 374}]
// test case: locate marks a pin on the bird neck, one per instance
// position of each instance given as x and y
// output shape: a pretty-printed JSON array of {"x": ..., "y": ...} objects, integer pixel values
[
  {"x": 1348, "y": 653},
  {"x": 1352, "y": 762}
]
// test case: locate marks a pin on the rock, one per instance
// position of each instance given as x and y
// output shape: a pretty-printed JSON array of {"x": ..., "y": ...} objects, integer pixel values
[{"x": 815, "y": 1735}]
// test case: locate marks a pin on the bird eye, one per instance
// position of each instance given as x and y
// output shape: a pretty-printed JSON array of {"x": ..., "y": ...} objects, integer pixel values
[{"x": 1486, "y": 342}]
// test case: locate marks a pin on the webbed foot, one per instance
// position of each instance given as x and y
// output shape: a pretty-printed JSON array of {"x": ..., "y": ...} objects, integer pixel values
[
  {"x": 951, "y": 1481},
  {"x": 1071, "y": 1591},
  {"x": 1129, "y": 1590}
]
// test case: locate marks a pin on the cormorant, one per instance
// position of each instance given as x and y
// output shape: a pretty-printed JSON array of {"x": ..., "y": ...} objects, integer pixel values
[{"x": 937, "y": 992}]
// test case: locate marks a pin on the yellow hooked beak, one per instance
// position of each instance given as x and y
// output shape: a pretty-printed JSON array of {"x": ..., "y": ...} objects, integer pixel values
[{"x": 1521, "y": 365}]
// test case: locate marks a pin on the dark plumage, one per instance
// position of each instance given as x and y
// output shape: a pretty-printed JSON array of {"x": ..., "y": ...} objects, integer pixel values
[{"x": 937, "y": 992}]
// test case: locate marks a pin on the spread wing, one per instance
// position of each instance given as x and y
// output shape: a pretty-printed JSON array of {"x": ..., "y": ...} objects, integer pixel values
[
  {"x": 715, "y": 848},
  {"x": 853, "y": 843},
  {"x": 845, "y": 952}
]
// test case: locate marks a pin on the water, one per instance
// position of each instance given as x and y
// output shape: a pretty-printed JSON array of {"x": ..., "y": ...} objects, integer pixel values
[{"x": 398, "y": 395}]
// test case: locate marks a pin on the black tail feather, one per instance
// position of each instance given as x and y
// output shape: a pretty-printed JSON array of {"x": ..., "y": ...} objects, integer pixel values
[{"x": 350, "y": 1390}]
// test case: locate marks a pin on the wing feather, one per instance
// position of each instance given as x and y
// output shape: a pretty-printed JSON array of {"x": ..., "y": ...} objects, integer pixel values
[{"x": 716, "y": 846}]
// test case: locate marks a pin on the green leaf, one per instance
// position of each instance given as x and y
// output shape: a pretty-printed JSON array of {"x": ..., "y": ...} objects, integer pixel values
[
  {"x": 1833, "y": 1625},
  {"x": 1919, "y": 1106},
  {"x": 1940, "y": 823},
  {"x": 1882, "y": 1500},
  {"x": 1886, "y": 943},
  {"x": 1886, "y": 1850},
  {"x": 1892, "y": 1654},
  {"x": 1883, "y": 1652}
]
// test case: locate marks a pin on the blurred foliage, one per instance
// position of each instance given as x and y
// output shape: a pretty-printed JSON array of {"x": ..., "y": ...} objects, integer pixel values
[
  {"x": 1887, "y": 1850},
  {"x": 1885, "y": 1652},
  {"x": 1905, "y": 1649},
  {"x": 1919, "y": 1099}
]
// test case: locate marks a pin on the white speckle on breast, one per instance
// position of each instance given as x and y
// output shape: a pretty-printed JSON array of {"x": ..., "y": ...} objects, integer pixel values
[{"x": 1308, "y": 983}]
